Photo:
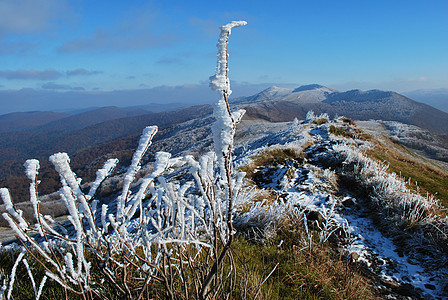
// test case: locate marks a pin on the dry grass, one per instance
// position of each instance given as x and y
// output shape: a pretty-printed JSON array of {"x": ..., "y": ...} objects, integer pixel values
[
  {"x": 348, "y": 121},
  {"x": 272, "y": 157},
  {"x": 316, "y": 273},
  {"x": 320, "y": 121},
  {"x": 267, "y": 195},
  {"x": 22, "y": 286},
  {"x": 421, "y": 177},
  {"x": 349, "y": 132},
  {"x": 54, "y": 208}
]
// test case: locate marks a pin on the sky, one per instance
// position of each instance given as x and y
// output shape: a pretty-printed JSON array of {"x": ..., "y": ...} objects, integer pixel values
[{"x": 67, "y": 54}]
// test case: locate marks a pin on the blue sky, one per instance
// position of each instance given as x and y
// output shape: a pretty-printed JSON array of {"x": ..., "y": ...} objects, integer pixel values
[{"x": 62, "y": 47}]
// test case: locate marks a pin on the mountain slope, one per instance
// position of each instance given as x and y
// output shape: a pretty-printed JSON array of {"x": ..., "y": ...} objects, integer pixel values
[
  {"x": 278, "y": 104},
  {"x": 29, "y": 144},
  {"x": 87, "y": 144},
  {"x": 20, "y": 121},
  {"x": 90, "y": 117},
  {"x": 319, "y": 175},
  {"x": 437, "y": 98},
  {"x": 327, "y": 167},
  {"x": 157, "y": 107}
]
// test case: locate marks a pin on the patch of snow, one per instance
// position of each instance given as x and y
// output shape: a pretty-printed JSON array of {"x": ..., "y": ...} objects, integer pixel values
[{"x": 310, "y": 189}]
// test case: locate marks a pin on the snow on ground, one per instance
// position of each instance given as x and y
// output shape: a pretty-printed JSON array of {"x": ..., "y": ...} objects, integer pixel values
[
  {"x": 310, "y": 188},
  {"x": 380, "y": 253},
  {"x": 428, "y": 147}
]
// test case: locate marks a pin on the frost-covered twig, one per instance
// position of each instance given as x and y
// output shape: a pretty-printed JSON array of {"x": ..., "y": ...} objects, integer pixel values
[
  {"x": 13, "y": 273},
  {"x": 145, "y": 142},
  {"x": 152, "y": 222},
  {"x": 101, "y": 174},
  {"x": 329, "y": 225},
  {"x": 223, "y": 135}
]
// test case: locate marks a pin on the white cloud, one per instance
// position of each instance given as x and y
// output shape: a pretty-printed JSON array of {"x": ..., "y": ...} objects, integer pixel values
[
  {"x": 418, "y": 79},
  {"x": 207, "y": 27},
  {"x": 30, "y": 74},
  {"x": 31, "y": 16},
  {"x": 81, "y": 72},
  {"x": 55, "y": 86},
  {"x": 48, "y": 74},
  {"x": 15, "y": 47},
  {"x": 106, "y": 40},
  {"x": 137, "y": 29}
]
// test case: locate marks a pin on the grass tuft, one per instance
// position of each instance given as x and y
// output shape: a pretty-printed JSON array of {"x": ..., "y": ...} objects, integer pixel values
[
  {"x": 320, "y": 121},
  {"x": 311, "y": 273},
  {"x": 420, "y": 177},
  {"x": 271, "y": 158}
]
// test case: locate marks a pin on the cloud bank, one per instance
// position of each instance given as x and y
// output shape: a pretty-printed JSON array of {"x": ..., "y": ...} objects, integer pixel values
[
  {"x": 82, "y": 72},
  {"x": 48, "y": 74},
  {"x": 60, "y": 97}
]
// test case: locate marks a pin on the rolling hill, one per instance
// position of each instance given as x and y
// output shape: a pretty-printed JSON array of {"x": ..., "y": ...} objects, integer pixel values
[
  {"x": 98, "y": 133},
  {"x": 91, "y": 117},
  {"x": 26, "y": 120},
  {"x": 116, "y": 135}
]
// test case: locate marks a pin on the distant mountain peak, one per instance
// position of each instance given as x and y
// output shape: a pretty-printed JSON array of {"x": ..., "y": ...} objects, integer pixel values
[
  {"x": 309, "y": 87},
  {"x": 275, "y": 89},
  {"x": 362, "y": 96},
  {"x": 279, "y": 104},
  {"x": 271, "y": 92}
]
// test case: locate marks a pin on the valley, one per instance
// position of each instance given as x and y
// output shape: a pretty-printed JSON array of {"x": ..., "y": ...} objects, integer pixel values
[{"x": 313, "y": 171}]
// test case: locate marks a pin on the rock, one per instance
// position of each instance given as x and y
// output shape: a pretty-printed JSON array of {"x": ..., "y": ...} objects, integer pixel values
[
  {"x": 349, "y": 202},
  {"x": 354, "y": 256},
  {"x": 312, "y": 215},
  {"x": 408, "y": 290}
]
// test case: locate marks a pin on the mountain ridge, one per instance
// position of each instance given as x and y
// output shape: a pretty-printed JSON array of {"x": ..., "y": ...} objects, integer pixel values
[
  {"x": 19, "y": 121},
  {"x": 91, "y": 117},
  {"x": 437, "y": 98},
  {"x": 274, "y": 104},
  {"x": 280, "y": 104}
]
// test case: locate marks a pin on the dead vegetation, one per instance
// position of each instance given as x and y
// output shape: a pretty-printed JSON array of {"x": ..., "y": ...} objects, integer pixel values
[
  {"x": 320, "y": 121},
  {"x": 318, "y": 272},
  {"x": 420, "y": 177},
  {"x": 273, "y": 157},
  {"x": 349, "y": 131}
]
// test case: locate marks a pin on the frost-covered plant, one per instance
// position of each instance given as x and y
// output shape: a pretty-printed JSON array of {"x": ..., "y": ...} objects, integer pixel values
[
  {"x": 389, "y": 191},
  {"x": 329, "y": 224},
  {"x": 311, "y": 117},
  {"x": 176, "y": 234}
]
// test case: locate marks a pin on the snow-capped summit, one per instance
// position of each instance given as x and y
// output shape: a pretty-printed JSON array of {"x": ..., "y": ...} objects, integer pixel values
[
  {"x": 310, "y": 87},
  {"x": 309, "y": 94},
  {"x": 304, "y": 94},
  {"x": 363, "y": 96},
  {"x": 273, "y": 92},
  {"x": 282, "y": 104}
]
